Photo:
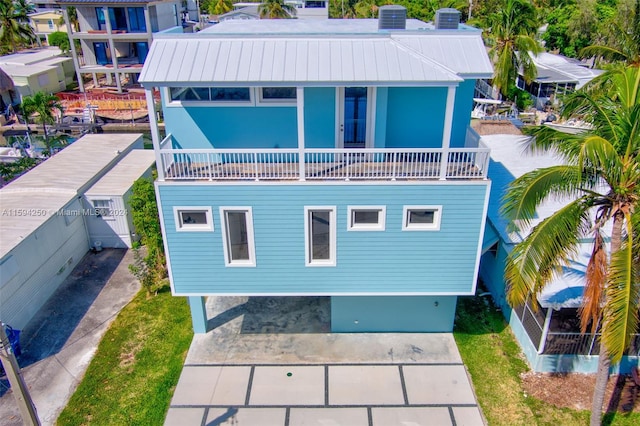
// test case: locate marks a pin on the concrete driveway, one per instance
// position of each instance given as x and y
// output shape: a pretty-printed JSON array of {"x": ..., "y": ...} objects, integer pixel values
[
  {"x": 60, "y": 341},
  {"x": 271, "y": 361}
]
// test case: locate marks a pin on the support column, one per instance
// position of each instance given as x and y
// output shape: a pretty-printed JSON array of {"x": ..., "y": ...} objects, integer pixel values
[
  {"x": 112, "y": 49},
  {"x": 545, "y": 331},
  {"x": 446, "y": 131},
  {"x": 155, "y": 133},
  {"x": 198, "y": 314},
  {"x": 74, "y": 54},
  {"x": 300, "y": 117}
]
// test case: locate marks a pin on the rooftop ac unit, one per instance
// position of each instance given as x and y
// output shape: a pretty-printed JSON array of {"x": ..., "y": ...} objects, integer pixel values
[
  {"x": 447, "y": 19},
  {"x": 392, "y": 17}
]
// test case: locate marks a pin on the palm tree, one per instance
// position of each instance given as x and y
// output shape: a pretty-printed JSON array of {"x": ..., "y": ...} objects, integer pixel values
[
  {"x": 602, "y": 178},
  {"x": 276, "y": 9},
  {"x": 72, "y": 13},
  {"x": 24, "y": 8},
  {"x": 14, "y": 27},
  {"x": 623, "y": 44},
  {"x": 220, "y": 7},
  {"x": 510, "y": 33},
  {"x": 44, "y": 105}
]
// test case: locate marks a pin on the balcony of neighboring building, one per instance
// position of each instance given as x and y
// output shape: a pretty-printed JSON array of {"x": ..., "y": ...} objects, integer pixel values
[
  {"x": 127, "y": 23},
  {"x": 97, "y": 56}
]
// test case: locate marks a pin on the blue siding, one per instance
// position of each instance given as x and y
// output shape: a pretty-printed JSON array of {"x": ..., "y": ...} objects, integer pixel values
[
  {"x": 367, "y": 262},
  {"x": 380, "y": 314},
  {"x": 320, "y": 117},
  {"x": 415, "y": 117},
  {"x": 462, "y": 112}
]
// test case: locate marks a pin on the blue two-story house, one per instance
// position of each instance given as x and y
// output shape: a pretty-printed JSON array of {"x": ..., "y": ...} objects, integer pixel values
[{"x": 330, "y": 157}]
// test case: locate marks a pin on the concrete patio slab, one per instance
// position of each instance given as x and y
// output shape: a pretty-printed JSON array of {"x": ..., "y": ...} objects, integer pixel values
[
  {"x": 206, "y": 385},
  {"x": 288, "y": 385},
  {"x": 411, "y": 416},
  {"x": 374, "y": 379},
  {"x": 365, "y": 385},
  {"x": 467, "y": 416},
  {"x": 184, "y": 416},
  {"x": 441, "y": 384},
  {"x": 246, "y": 416},
  {"x": 328, "y": 417}
]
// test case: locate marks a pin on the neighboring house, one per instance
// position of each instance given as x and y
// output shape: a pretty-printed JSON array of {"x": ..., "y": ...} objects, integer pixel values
[
  {"x": 243, "y": 13},
  {"x": 117, "y": 47},
  {"x": 323, "y": 157},
  {"x": 8, "y": 94},
  {"x": 547, "y": 328},
  {"x": 305, "y": 9},
  {"x": 45, "y": 23},
  {"x": 45, "y": 216},
  {"x": 38, "y": 70},
  {"x": 557, "y": 75},
  {"x": 46, "y": 5}
]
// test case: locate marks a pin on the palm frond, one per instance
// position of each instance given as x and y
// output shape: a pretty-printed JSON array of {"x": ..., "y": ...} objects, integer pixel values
[
  {"x": 622, "y": 295},
  {"x": 596, "y": 276},
  {"x": 551, "y": 244},
  {"x": 527, "y": 192}
]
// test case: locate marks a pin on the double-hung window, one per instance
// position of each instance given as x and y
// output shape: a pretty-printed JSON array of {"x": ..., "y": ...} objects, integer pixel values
[
  {"x": 237, "y": 236},
  {"x": 320, "y": 236}
]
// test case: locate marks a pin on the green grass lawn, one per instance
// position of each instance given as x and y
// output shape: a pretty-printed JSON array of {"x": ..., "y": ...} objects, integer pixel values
[
  {"x": 495, "y": 363},
  {"x": 137, "y": 365}
]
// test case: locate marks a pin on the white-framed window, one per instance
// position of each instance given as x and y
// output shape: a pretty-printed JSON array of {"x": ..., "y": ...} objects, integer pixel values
[
  {"x": 366, "y": 218},
  {"x": 237, "y": 236},
  {"x": 320, "y": 235},
  {"x": 212, "y": 95},
  {"x": 193, "y": 218},
  {"x": 102, "y": 208},
  {"x": 421, "y": 218},
  {"x": 274, "y": 96},
  {"x": 50, "y": 24}
]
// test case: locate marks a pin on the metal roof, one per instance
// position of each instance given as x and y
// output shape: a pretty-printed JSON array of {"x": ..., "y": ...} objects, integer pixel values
[
  {"x": 315, "y": 52},
  {"x": 463, "y": 53},
  {"x": 120, "y": 179},
  {"x": 289, "y": 60},
  {"x": 560, "y": 69},
  {"x": 98, "y": 2}
]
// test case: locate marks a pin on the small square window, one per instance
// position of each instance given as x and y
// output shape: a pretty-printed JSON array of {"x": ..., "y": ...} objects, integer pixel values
[
  {"x": 366, "y": 218},
  {"x": 421, "y": 218},
  {"x": 102, "y": 208},
  {"x": 193, "y": 218}
]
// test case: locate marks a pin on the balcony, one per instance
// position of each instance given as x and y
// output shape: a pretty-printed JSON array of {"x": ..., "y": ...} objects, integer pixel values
[{"x": 321, "y": 164}]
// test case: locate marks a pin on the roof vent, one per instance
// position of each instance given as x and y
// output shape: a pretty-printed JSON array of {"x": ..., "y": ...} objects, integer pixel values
[
  {"x": 392, "y": 17},
  {"x": 447, "y": 19}
]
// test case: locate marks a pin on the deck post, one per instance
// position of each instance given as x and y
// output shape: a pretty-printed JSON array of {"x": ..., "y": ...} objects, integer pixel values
[
  {"x": 545, "y": 331},
  {"x": 155, "y": 135},
  {"x": 74, "y": 53},
  {"x": 446, "y": 132},
  {"x": 300, "y": 119}
]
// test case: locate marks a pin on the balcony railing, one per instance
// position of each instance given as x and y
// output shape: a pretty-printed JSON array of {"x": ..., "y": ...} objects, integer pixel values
[{"x": 322, "y": 164}]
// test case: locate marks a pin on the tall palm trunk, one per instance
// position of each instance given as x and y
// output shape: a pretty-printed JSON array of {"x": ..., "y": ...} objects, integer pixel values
[{"x": 604, "y": 362}]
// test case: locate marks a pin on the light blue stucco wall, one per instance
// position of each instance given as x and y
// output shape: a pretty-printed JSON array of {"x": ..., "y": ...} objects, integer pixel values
[
  {"x": 462, "y": 112},
  {"x": 320, "y": 117},
  {"x": 390, "y": 261},
  {"x": 232, "y": 127},
  {"x": 415, "y": 117},
  {"x": 405, "y": 117},
  {"x": 409, "y": 314}
]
